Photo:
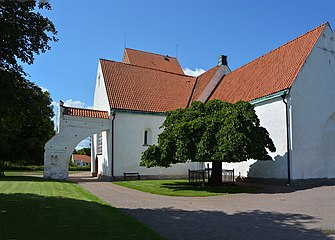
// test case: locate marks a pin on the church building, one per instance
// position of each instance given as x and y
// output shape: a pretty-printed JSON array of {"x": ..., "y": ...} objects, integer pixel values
[{"x": 291, "y": 87}]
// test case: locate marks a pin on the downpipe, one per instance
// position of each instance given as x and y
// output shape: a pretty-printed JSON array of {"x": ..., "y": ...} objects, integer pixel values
[
  {"x": 287, "y": 141},
  {"x": 112, "y": 164}
]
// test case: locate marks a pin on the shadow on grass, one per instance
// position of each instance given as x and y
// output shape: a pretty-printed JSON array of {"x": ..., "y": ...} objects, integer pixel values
[
  {"x": 31, "y": 216},
  {"x": 229, "y": 188},
  {"x": 180, "y": 224},
  {"x": 23, "y": 178}
]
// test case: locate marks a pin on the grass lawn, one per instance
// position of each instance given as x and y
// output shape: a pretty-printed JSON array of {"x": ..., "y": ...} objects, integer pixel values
[
  {"x": 31, "y": 208},
  {"x": 182, "y": 188}
]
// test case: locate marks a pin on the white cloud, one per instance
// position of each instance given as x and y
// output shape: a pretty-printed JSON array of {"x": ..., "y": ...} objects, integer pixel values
[
  {"x": 74, "y": 103},
  {"x": 54, "y": 104},
  {"x": 193, "y": 73},
  {"x": 44, "y": 89},
  {"x": 86, "y": 143}
]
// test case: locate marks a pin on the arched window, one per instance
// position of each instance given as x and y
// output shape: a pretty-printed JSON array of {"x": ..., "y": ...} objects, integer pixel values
[{"x": 146, "y": 137}]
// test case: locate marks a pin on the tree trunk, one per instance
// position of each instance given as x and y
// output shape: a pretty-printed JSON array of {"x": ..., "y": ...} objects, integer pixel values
[
  {"x": 2, "y": 168},
  {"x": 216, "y": 176}
]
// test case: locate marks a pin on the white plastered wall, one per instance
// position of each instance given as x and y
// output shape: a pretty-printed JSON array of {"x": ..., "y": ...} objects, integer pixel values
[
  {"x": 313, "y": 107},
  {"x": 272, "y": 116},
  {"x": 129, "y": 139},
  {"x": 101, "y": 103},
  {"x": 71, "y": 131}
]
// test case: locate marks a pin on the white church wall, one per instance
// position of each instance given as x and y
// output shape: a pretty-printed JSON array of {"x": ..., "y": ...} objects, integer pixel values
[
  {"x": 129, "y": 144},
  {"x": 101, "y": 103},
  {"x": 313, "y": 107},
  {"x": 272, "y": 116},
  {"x": 100, "y": 94}
]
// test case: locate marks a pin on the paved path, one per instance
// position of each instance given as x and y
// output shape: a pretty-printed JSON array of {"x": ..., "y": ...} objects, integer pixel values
[{"x": 283, "y": 213}]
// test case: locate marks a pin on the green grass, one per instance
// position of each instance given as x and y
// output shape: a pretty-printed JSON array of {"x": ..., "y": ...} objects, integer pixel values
[
  {"x": 183, "y": 188},
  {"x": 12, "y": 173},
  {"x": 31, "y": 208}
]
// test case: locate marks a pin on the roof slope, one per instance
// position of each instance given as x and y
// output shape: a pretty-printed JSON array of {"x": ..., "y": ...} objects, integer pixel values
[
  {"x": 202, "y": 82},
  {"x": 143, "y": 89},
  {"x": 83, "y": 158},
  {"x": 270, "y": 73},
  {"x": 152, "y": 60},
  {"x": 82, "y": 112}
]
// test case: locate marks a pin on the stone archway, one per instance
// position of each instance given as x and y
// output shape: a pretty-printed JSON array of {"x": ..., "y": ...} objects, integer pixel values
[{"x": 73, "y": 125}]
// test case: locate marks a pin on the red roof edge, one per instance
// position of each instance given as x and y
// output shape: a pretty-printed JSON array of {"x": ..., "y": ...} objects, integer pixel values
[
  {"x": 322, "y": 25},
  {"x": 83, "y": 112}
]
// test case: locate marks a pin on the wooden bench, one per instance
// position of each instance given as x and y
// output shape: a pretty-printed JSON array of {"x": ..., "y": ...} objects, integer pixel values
[{"x": 132, "y": 175}]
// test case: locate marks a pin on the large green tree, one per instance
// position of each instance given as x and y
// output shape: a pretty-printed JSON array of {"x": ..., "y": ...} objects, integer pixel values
[
  {"x": 24, "y": 32},
  {"x": 213, "y": 132},
  {"x": 25, "y": 110}
]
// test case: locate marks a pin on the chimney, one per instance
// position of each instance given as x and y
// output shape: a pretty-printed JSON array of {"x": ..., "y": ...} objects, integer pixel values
[{"x": 222, "y": 60}]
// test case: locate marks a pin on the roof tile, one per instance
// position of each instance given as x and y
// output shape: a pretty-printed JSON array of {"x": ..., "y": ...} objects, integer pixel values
[
  {"x": 82, "y": 112},
  {"x": 270, "y": 73},
  {"x": 152, "y": 60},
  {"x": 138, "y": 88}
]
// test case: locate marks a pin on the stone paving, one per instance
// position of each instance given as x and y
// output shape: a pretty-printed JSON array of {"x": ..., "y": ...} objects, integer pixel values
[{"x": 276, "y": 213}]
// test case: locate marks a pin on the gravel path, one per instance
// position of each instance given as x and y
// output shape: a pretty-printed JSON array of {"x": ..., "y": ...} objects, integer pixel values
[{"x": 282, "y": 213}]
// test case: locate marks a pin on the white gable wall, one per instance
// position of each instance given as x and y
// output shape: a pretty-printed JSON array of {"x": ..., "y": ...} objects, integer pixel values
[
  {"x": 100, "y": 95},
  {"x": 313, "y": 107},
  {"x": 101, "y": 103}
]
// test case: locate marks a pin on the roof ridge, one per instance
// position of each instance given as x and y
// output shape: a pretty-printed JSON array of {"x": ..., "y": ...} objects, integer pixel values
[
  {"x": 299, "y": 37},
  {"x": 159, "y": 70},
  {"x": 151, "y": 53}
]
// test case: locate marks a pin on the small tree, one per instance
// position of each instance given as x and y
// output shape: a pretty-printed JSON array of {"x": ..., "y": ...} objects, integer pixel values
[{"x": 213, "y": 132}]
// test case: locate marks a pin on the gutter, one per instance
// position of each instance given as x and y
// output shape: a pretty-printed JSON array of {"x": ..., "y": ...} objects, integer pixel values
[
  {"x": 287, "y": 140},
  {"x": 112, "y": 164}
]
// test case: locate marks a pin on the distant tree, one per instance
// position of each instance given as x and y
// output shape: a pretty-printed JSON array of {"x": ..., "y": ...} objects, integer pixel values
[
  {"x": 213, "y": 132},
  {"x": 25, "y": 111},
  {"x": 83, "y": 151}
]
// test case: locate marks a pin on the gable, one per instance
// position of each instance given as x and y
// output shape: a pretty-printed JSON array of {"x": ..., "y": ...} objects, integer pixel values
[
  {"x": 152, "y": 60},
  {"x": 131, "y": 87},
  {"x": 270, "y": 73}
]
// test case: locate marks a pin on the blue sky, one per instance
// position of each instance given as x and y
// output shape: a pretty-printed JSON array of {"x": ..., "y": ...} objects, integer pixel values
[{"x": 89, "y": 30}]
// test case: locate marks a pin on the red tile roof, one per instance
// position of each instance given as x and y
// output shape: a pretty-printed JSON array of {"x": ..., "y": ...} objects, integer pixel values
[
  {"x": 133, "y": 87},
  {"x": 202, "y": 82},
  {"x": 152, "y": 60},
  {"x": 82, "y": 112},
  {"x": 83, "y": 158},
  {"x": 269, "y": 73}
]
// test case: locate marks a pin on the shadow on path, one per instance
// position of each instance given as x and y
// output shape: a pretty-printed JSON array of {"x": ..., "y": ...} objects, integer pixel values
[{"x": 181, "y": 224}]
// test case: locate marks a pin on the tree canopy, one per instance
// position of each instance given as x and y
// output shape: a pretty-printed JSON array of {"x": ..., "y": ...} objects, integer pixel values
[
  {"x": 83, "y": 151},
  {"x": 25, "y": 110},
  {"x": 24, "y": 33},
  {"x": 213, "y": 132},
  {"x": 25, "y": 120}
]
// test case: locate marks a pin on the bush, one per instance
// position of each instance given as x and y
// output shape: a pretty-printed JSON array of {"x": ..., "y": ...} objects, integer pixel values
[
  {"x": 10, "y": 166},
  {"x": 78, "y": 168}
]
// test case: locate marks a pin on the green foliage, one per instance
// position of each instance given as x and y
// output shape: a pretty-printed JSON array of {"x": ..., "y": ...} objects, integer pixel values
[
  {"x": 12, "y": 166},
  {"x": 23, "y": 33},
  {"x": 79, "y": 168},
  {"x": 215, "y": 131},
  {"x": 25, "y": 120},
  {"x": 83, "y": 151},
  {"x": 25, "y": 111}
]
